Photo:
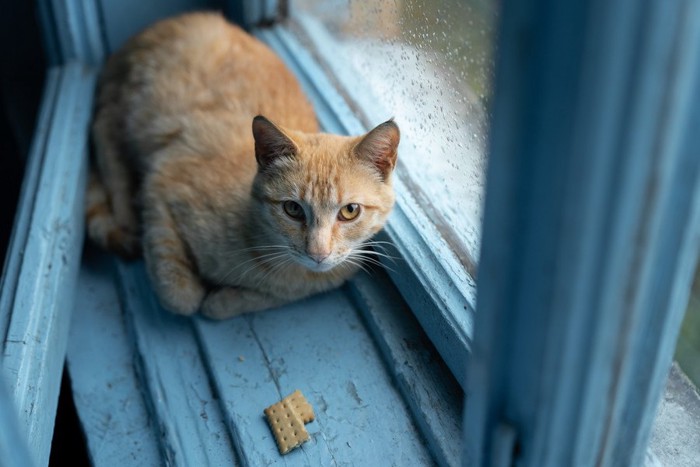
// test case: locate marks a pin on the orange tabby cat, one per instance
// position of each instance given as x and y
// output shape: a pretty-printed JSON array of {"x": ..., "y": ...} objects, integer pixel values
[{"x": 229, "y": 220}]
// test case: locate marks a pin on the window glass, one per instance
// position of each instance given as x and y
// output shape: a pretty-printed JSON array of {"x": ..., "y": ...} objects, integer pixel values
[{"x": 429, "y": 65}]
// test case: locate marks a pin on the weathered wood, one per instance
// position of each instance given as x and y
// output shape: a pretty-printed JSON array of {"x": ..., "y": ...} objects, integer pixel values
[
  {"x": 108, "y": 396},
  {"x": 191, "y": 391},
  {"x": 185, "y": 411},
  {"x": 321, "y": 347},
  {"x": 13, "y": 446},
  {"x": 36, "y": 297},
  {"x": 432, "y": 394}
]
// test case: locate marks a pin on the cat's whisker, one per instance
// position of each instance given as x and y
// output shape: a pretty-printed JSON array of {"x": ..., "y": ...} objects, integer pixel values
[
  {"x": 369, "y": 260},
  {"x": 360, "y": 255},
  {"x": 379, "y": 254},
  {"x": 380, "y": 245},
  {"x": 276, "y": 267},
  {"x": 384, "y": 247},
  {"x": 262, "y": 258},
  {"x": 357, "y": 263},
  {"x": 262, "y": 248},
  {"x": 263, "y": 261},
  {"x": 378, "y": 242}
]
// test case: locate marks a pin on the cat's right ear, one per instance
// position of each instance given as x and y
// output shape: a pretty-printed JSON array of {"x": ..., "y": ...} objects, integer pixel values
[
  {"x": 380, "y": 147},
  {"x": 271, "y": 143}
]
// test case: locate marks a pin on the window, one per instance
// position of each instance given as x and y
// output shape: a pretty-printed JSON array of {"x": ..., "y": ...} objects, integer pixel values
[{"x": 428, "y": 65}]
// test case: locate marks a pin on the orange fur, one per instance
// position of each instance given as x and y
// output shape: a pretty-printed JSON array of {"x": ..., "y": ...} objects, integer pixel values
[{"x": 175, "y": 172}]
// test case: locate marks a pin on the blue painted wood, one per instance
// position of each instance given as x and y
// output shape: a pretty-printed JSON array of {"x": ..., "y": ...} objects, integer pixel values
[
  {"x": 426, "y": 269},
  {"x": 40, "y": 274},
  {"x": 257, "y": 12},
  {"x": 432, "y": 394},
  {"x": 124, "y": 18},
  {"x": 321, "y": 347},
  {"x": 590, "y": 230},
  {"x": 121, "y": 20},
  {"x": 107, "y": 393},
  {"x": 673, "y": 245},
  {"x": 72, "y": 31},
  {"x": 20, "y": 230},
  {"x": 188, "y": 420},
  {"x": 13, "y": 446},
  {"x": 193, "y": 376}
]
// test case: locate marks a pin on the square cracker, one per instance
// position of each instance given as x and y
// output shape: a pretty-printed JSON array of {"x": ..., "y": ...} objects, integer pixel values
[
  {"x": 301, "y": 406},
  {"x": 286, "y": 426}
]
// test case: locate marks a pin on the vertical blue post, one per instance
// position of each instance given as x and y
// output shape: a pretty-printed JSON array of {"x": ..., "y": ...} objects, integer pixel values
[
  {"x": 249, "y": 13},
  {"x": 72, "y": 31},
  {"x": 591, "y": 229}
]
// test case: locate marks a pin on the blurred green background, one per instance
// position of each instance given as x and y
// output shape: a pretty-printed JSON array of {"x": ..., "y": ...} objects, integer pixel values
[{"x": 688, "y": 346}]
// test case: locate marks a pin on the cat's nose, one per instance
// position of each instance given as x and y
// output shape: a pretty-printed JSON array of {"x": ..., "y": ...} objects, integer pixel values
[{"x": 319, "y": 257}]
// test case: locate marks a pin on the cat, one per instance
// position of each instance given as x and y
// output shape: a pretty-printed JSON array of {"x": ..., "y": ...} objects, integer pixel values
[{"x": 208, "y": 161}]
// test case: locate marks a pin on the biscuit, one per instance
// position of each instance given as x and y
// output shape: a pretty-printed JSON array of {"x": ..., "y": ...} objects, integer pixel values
[
  {"x": 286, "y": 426},
  {"x": 301, "y": 406},
  {"x": 287, "y": 418}
]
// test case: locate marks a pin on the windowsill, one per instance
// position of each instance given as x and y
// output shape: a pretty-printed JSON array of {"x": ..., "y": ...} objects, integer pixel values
[{"x": 195, "y": 389}]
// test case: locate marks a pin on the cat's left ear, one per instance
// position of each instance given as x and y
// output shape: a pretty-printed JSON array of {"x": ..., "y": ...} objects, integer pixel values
[
  {"x": 380, "y": 147},
  {"x": 271, "y": 143}
]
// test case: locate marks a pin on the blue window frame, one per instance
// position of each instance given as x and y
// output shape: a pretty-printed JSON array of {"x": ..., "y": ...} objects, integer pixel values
[
  {"x": 590, "y": 227},
  {"x": 591, "y": 230}
]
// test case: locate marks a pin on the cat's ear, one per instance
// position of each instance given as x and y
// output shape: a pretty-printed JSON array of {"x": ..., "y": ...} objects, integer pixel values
[
  {"x": 271, "y": 143},
  {"x": 380, "y": 147}
]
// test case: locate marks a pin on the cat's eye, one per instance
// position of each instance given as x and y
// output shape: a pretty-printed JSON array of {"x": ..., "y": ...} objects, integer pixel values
[
  {"x": 294, "y": 210},
  {"x": 349, "y": 212}
]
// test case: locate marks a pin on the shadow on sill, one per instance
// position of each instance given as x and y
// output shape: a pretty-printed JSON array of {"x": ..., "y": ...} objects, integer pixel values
[{"x": 68, "y": 446}]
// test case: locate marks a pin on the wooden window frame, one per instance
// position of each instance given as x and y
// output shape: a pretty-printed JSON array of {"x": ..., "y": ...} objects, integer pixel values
[{"x": 578, "y": 314}]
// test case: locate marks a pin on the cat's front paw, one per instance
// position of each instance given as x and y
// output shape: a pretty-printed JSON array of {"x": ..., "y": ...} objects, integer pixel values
[
  {"x": 181, "y": 295},
  {"x": 222, "y": 303}
]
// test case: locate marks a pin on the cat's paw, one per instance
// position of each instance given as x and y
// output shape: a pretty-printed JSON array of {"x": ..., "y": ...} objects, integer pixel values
[
  {"x": 120, "y": 240},
  {"x": 126, "y": 243},
  {"x": 222, "y": 303},
  {"x": 180, "y": 291}
]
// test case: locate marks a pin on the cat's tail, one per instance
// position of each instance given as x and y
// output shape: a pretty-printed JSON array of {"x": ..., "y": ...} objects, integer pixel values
[{"x": 102, "y": 228}]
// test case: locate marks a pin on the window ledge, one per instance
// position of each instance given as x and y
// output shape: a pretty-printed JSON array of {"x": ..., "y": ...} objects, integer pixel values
[{"x": 192, "y": 391}]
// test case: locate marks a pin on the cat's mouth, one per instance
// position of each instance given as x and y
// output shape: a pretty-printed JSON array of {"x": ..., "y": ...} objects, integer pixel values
[
  {"x": 314, "y": 266},
  {"x": 322, "y": 267},
  {"x": 317, "y": 266}
]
